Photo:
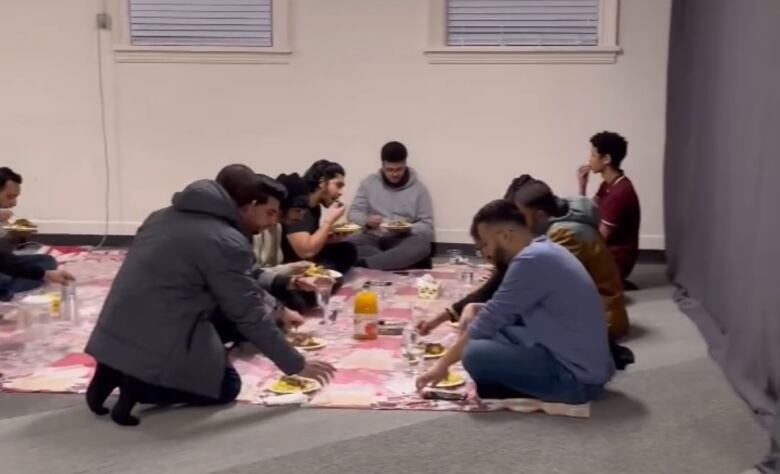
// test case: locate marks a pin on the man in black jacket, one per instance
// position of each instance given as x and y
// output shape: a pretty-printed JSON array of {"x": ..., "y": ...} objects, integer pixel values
[{"x": 20, "y": 273}]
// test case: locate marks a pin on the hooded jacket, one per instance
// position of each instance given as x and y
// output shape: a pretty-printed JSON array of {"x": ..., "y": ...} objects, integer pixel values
[{"x": 186, "y": 262}]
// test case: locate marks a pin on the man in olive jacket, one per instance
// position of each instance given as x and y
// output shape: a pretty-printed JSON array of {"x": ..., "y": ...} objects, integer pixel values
[{"x": 186, "y": 288}]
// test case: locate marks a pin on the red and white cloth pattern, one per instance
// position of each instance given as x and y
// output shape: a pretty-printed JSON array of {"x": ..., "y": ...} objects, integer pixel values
[{"x": 46, "y": 356}]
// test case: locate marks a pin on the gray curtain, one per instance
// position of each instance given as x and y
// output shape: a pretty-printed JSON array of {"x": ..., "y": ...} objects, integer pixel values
[{"x": 722, "y": 188}]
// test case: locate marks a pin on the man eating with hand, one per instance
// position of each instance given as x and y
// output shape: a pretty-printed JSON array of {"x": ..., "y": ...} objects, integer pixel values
[
  {"x": 543, "y": 333},
  {"x": 311, "y": 237}
]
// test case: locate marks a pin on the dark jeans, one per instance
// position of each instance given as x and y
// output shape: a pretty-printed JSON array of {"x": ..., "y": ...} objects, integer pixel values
[
  {"x": 623, "y": 356},
  {"x": 231, "y": 382},
  {"x": 503, "y": 370},
  {"x": 10, "y": 286},
  {"x": 392, "y": 251},
  {"x": 156, "y": 395},
  {"x": 339, "y": 256}
]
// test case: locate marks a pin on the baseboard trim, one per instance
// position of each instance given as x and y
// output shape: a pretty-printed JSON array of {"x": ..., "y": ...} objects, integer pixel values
[
  {"x": 645, "y": 255},
  {"x": 119, "y": 241},
  {"x": 78, "y": 240}
]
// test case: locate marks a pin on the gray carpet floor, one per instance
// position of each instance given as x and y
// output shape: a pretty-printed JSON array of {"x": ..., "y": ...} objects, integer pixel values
[{"x": 672, "y": 412}]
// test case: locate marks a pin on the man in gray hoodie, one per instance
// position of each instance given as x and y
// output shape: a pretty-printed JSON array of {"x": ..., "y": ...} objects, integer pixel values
[{"x": 395, "y": 193}]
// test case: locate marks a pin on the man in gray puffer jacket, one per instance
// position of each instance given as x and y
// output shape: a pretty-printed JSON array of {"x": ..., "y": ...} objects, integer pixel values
[{"x": 185, "y": 289}]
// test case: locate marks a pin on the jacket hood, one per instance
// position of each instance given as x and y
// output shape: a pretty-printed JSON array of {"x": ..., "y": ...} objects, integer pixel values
[
  {"x": 207, "y": 197},
  {"x": 580, "y": 209}
]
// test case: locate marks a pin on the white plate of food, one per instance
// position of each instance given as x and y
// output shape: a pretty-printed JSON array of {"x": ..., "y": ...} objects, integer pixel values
[
  {"x": 434, "y": 350},
  {"x": 288, "y": 384},
  {"x": 306, "y": 342},
  {"x": 21, "y": 225},
  {"x": 451, "y": 381},
  {"x": 345, "y": 228},
  {"x": 319, "y": 270},
  {"x": 397, "y": 225}
]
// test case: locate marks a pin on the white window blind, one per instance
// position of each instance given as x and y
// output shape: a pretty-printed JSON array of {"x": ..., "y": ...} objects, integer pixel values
[
  {"x": 231, "y": 23},
  {"x": 522, "y": 22}
]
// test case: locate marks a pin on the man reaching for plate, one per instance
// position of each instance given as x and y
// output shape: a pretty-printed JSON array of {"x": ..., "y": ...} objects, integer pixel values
[
  {"x": 543, "y": 333},
  {"x": 19, "y": 273},
  {"x": 185, "y": 289}
]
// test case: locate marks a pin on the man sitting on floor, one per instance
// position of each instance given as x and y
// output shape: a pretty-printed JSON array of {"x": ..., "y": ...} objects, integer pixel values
[
  {"x": 19, "y": 273},
  {"x": 542, "y": 334},
  {"x": 310, "y": 239},
  {"x": 185, "y": 289},
  {"x": 616, "y": 198},
  {"x": 394, "y": 193},
  {"x": 572, "y": 223},
  {"x": 268, "y": 243}
]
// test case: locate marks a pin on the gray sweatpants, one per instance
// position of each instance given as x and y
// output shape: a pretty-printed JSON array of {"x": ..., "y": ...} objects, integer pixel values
[{"x": 391, "y": 251}]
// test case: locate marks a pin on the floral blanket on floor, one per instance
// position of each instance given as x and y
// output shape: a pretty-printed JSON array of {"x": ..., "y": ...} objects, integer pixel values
[{"x": 43, "y": 353}]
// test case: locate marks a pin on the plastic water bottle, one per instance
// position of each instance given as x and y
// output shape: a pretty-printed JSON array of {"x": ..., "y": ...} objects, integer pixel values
[
  {"x": 412, "y": 350},
  {"x": 68, "y": 303}
]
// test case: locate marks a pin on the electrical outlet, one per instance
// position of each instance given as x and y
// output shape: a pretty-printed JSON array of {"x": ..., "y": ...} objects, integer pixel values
[{"x": 103, "y": 21}]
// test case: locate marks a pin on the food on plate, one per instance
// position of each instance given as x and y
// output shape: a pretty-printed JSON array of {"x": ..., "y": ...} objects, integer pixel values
[
  {"x": 427, "y": 287},
  {"x": 345, "y": 228},
  {"x": 398, "y": 224},
  {"x": 316, "y": 270},
  {"x": 451, "y": 380},
  {"x": 294, "y": 384},
  {"x": 21, "y": 225},
  {"x": 434, "y": 349},
  {"x": 304, "y": 341},
  {"x": 24, "y": 223}
]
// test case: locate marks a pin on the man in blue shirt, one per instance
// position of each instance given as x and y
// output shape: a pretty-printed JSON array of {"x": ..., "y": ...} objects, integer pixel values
[{"x": 543, "y": 334}]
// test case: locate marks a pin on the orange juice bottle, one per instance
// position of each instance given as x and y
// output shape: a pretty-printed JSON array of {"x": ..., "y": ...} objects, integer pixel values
[{"x": 366, "y": 315}]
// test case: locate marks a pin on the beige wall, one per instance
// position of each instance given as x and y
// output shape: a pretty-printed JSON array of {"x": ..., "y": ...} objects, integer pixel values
[{"x": 357, "y": 79}]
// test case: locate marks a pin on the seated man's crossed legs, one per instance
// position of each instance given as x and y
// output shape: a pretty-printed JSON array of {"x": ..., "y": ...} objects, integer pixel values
[
  {"x": 391, "y": 251},
  {"x": 508, "y": 368},
  {"x": 10, "y": 286}
]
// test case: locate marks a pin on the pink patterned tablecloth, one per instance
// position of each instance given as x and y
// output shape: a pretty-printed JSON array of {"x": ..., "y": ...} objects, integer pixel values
[
  {"x": 40, "y": 355},
  {"x": 46, "y": 356}
]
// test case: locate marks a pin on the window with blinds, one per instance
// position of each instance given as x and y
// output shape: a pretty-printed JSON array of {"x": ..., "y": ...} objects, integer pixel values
[
  {"x": 522, "y": 22},
  {"x": 225, "y": 23}
]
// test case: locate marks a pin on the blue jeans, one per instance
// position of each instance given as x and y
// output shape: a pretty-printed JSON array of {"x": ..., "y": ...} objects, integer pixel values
[
  {"x": 10, "y": 286},
  {"x": 509, "y": 370}
]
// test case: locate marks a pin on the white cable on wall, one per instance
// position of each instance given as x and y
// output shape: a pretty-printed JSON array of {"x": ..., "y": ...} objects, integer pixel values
[{"x": 100, "y": 25}]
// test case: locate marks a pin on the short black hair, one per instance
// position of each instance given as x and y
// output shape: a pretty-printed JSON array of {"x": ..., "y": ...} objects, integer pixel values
[
  {"x": 612, "y": 144},
  {"x": 499, "y": 211},
  {"x": 297, "y": 191},
  {"x": 7, "y": 174},
  {"x": 322, "y": 170},
  {"x": 394, "y": 152},
  {"x": 533, "y": 193},
  {"x": 244, "y": 186},
  {"x": 272, "y": 188}
]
